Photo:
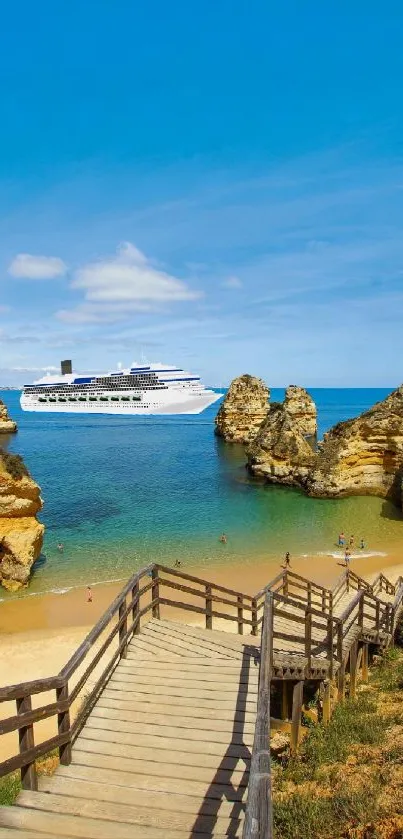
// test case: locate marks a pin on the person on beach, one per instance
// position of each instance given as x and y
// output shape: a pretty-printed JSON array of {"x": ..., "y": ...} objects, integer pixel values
[
  {"x": 89, "y": 594},
  {"x": 223, "y": 539},
  {"x": 347, "y": 556},
  {"x": 60, "y": 547},
  {"x": 342, "y": 540},
  {"x": 362, "y": 545},
  {"x": 177, "y": 563},
  {"x": 287, "y": 560}
]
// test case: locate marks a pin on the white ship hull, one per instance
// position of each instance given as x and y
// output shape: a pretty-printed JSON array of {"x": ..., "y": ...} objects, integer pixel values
[
  {"x": 140, "y": 390},
  {"x": 191, "y": 405}
]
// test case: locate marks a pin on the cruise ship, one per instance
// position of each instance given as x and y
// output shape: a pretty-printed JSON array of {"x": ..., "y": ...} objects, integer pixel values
[{"x": 141, "y": 389}]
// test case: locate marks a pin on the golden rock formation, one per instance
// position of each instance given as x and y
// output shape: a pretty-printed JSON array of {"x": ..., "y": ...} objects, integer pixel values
[
  {"x": 7, "y": 426},
  {"x": 243, "y": 410},
  {"x": 21, "y": 535}
]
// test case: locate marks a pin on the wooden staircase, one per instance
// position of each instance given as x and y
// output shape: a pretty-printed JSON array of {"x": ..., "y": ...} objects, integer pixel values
[{"x": 172, "y": 740}]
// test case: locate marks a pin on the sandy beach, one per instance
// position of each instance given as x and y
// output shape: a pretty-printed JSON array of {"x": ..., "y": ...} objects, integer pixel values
[{"x": 38, "y": 634}]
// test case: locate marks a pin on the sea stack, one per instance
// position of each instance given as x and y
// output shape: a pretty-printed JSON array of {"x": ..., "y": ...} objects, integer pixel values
[
  {"x": 243, "y": 410},
  {"x": 301, "y": 410},
  {"x": 363, "y": 456},
  {"x": 21, "y": 535},
  {"x": 280, "y": 452},
  {"x": 7, "y": 426}
]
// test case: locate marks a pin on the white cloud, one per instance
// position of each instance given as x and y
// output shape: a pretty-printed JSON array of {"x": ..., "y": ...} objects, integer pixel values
[
  {"x": 129, "y": 277},
  {"x": 25, "y": 266},
  {"x": 232, "y": 282}
]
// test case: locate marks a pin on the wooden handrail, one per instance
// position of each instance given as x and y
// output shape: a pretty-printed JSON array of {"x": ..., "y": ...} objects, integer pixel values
[
  {"x": 125, "y": 613},
  {"x": 258, "y": 822}
]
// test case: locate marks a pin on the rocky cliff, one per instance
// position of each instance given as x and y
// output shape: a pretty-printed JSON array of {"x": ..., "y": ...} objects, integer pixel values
[
  {"x": 362, "y": 456},
  {"x": 280, "y": 452},
  {"x": 243, "y": 410},
  {"x": 7, "y": 426},
  {"x": 301, "y": 410},
  {"x": 21, "y": 534}
]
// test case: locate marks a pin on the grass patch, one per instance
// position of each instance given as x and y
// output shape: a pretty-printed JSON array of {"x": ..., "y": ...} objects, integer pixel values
[
  {"x": 388, "y": 675},
  {"x": 304, "y": 816},
  {"x": 353, "y": 722},
  {"x": 10, "y": 785}
]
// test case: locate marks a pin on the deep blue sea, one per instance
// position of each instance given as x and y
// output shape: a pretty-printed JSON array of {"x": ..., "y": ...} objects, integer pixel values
[{"x": 123, "y": 491}]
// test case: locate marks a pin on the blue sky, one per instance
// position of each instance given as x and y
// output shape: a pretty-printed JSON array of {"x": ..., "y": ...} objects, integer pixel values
[{"x": 216, "y": 184}]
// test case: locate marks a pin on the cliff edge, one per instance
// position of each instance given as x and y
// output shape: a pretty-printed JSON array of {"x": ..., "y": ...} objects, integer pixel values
[
  {"x": 21, "y": 535},
  {"x": 243, "y": 410},
  {"x": 280, "y": 452},
  {"x": 7, "y": 426},
  {"x": 363, "y": 456}
]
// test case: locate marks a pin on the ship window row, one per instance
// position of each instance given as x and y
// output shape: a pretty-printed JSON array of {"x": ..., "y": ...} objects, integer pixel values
[{"x": 66, "y": 398}]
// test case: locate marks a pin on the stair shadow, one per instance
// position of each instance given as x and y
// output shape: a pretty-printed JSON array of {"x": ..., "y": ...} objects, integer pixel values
[{"x": 210, "y": 809}]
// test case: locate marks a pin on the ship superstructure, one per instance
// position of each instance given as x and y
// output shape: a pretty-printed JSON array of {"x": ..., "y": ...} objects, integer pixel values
[{"x": 140, "y": 389}]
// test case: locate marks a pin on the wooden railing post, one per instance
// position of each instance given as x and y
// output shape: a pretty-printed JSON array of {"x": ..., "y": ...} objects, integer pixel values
[
  {"x": 285, "y": 583},
  {"x": 365, "y": 656},
  {"x": 330, "y": 644},
  {"x": 209, "y": 607},
  {"x": 136, "y": 608},
  {"x": 353, "y": 670},
  {"x": 326, "y": 707},
  {"x": 155, "y": 592},
  {"x": 254, "y": 617},
  {"x": 309, "y": 593},
  {"x": 377, "y": 612},
  {"x": 324, "y": 599},
  {"x": 308, "y": 637},
  {"x": 340, "y": 642},
  {"x": 123, "y": 629},
  {"x": 240, "y": 614},
  {"x": 361, "y": 611},
  {"x": 297, "y": 697},
  {"x": 26, "y": 742},
  {"x": 347, "y": 580},
  {"x": 63, "y": 725}
]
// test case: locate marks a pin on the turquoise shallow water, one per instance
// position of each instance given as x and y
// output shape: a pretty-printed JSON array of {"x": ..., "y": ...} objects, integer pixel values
[{"x": 123, "y": 491}]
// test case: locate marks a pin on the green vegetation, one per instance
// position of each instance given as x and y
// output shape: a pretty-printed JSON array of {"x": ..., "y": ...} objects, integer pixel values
[
  {"x": 9, "y": 788},
  {"x": 14, "y": 465},
  {"x": 346, "y": 781},
  {"x": 10, "y": 785}
]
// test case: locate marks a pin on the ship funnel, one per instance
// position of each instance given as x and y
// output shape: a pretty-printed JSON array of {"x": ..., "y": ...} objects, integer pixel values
[{"x": 66, "y": 367}]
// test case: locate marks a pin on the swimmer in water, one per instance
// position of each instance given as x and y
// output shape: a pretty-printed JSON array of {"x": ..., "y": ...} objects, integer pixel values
[
  {"x": 223, "y": 539},
  {"x": 177, "y": 563},
  {"x": 60, "y": 547},
  {"x": 362, "y": 545},
  {"x": 342, "y": 540}
]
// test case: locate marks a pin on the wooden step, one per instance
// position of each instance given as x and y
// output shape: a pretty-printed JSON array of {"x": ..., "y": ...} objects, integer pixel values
[
  {"x": 195, "y": 684},
  {"x": 80, "y": 827},
  {"x": 203, "y": 691},
  {"x": 206, "y": 674},
  {"x": 156, "y": 768},
  {"x": 165, "y": 720},
  {"x": 109, "y": 700},
  {"x": 121, "y": 732},
  {"x": 239, "y": 758},
  {"x": 166, "y": 820},
  {"x": 172, "y": 803},
  {"x": 155, "y": 784},
  {"x": 178, "y": 702}
]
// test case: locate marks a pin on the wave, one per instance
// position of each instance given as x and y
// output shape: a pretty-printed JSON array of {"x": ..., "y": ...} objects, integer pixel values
[
  {"x": 64, "y": 590},
  {"x": 340, "y": 554}
]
